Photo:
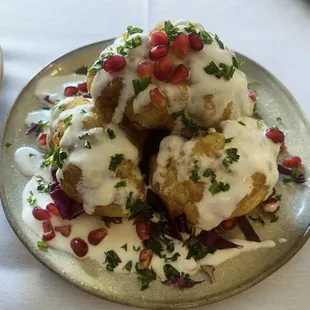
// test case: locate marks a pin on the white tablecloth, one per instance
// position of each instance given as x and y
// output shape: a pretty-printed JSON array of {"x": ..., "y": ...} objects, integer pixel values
[{"x": 276, "y": 33}]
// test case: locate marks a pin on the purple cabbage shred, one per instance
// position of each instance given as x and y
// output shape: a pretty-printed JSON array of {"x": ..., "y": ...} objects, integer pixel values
[{"x": 182, "y": 282}]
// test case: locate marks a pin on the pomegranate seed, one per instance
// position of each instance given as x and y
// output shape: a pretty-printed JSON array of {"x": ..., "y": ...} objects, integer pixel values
[
  {"x": 64, "y": 230},
  {"x": 158, "y": 51},
  {"x": 70, "y": 91},
  {"x": 48, "y": 231},
  {"x": 97, "y": 235},
  {"x": 42, "y": 140},
  {"x": 252, "y": 94},
  {"x": 159, "y": 38},
  {"x": 163, "y": 69},
  {"x": 195, "y": 42},
  {"x": 271, "y": 205},
  {"x": 52, "y": 209},
  {"x": 145, "y": 258},
  {"x": 145, "y": 69},
  {"x": 276, "y": 135},
  {"x": 79, "y": 247},
  {"x": 179, "y": 75},
  {"x": 292, "y": 162},
  {"x": 115, "y": 63},
  {"x": 181, "y": 45},
  {"x": 143, "y": 229},
  {"x": 283, "y": 147},
  {"x": 40, "y": 214},
  {"x": 83, "y": 87},
  {"x": 157, "y": 98}
]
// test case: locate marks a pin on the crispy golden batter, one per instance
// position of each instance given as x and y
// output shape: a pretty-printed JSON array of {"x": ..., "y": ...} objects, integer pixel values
[{"x": 181, "y": 197}]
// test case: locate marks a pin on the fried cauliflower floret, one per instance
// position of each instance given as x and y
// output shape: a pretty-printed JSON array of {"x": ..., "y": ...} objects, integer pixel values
[
  {"x": 100, "y": 166},
  {"x": 148, "y": 89},
  {"x": 217, "y": 176}
]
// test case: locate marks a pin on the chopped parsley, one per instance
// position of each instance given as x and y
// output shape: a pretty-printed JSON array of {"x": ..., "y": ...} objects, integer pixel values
[
  {"x": 141, "y": 84},
  {"x": 217, "y": 187},
  {"x": 41, "y": 125},
  {"x": 99, "y": 62},
  {"x": 115, "y": 161},
  {"x": 241, "y": 123},
  {"x": 236, "y": 62},
  {"x": 145, "y": 277},
  {"x": 8, "y": 144},
  {"x": 83, "y": 111},
  {"x": 205, "y": 37},
  {"x": 124, "y": 247},
  {"x": 31, "y": 155},
  {"x": 112, "y": 260},
  {"x": 279, "y": 119},
  {"x": 136, "y": 248},
  {"x": 257, "y": 218},
  {"x": 171, "y": 31},
  {"x": 260, "y": 123},
  {"x": 55, "y": 158},
  {"x": 210, "y": 173},
  {"x": 278, "y": 197},
  {"x": 155, "y": 246},
  {"x": 133, "y": 42},
  {"x": 231, "y": 156},
  {"x": 219, "y": 42},
  {"x": 87, "y": 144},
  {"x": 190, "y": 28},
  {"x": 196, "y": 249},
  {"x": 138, "y": 207},
  {"x": 81, "y": 70},
  {"x": 121, "y": 50},
  {"x": 171, "y": 272},
  {"x": 219, "y": 71},
  {"x": 274, "y": 218},
  {"x": 250, "y": 85},
  {"x": 228, "y": 140},
  {"x": 255, "y": 112},
  {"x": 195, "y": 176},
  {"x": 287, "y": 180},
  {"x": 173, "y": 258},
  {"x": 42, "y": 245},
  {"x": 128, "y": 266},
  {"x": 68, "y": 121},
  {"x": 83, "y": 136},
  {"x": 120, "y": 184},
  {"x": 43, "y": 186},
  {"x": 111, "y": 133},
  {"x": 132, "y": 30},
  {"x": 189, "y": 124},
  {"x": 32, "y": 201}
]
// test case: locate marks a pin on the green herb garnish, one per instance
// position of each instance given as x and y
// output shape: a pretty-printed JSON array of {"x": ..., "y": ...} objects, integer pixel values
[
  {"x": 43, "y": 186},
  {"x": 128, "y": 266},
  {"x": 219, "y": 42},
  {"x": 31, "y": 155},
  {"x": 195, "y": 176},
  {"x": 278, "y": 197},
  {"x": 82, "y": 137},
  {"x": 190, "y": 28},
  {"x": 236, "y": 62},
  {"x": 257, "y": 219},
  {"x": 138, "y": 208},
  {"x": 32, "y": 201},
  {"x": 121, "y": 50},
  {"x": 287, "y": 180},
  {"x": 205, "y": 37},
  {"x": 115, "y": 161},
  {"x": 255, "y": 112},
  {"x": 136, "y": 248},
  {"x": 56, "y": 158},
  {"x": 145, "y": 277},
  {"x": 228, "y": 140},
  {"x": 141, "y": 84},
  {"x": 155, "y": 246},
  {"x": 42, "y": 245},
  {"x": 87, "y": 144},
  {"x": 41, "y": 125},
  {"x": 68, "y": 121},
  {"x": 241, "y": 123},
  {"x": 8, "y": 144},
  {"x": 173, "y": 258},
  {"x": 132, "y": 30},
  {"x": 82, "y": 70},
  {"x": 124, "y": 247},
  {"x": 210, "y": 173},
  {"x": 171, "y": 31},
  {"x": 217, "y": 187},
  {"x": 279, "y": 119},
  {"x": 189, "y": 124},
  {"x": 133, "y": 42},
  {"x": 222, "y": 70},
  {"x": 120, "y": 184},
  {"x": 274, "y": 218},
  {"x": 171, "y": 272},
  {"x": 112, "y": 260},
  {"x": 196, "y": 249},
  {"x": 83, "y": 111},
  {"x": 111, "y": 133},
  {"x": 231, "y": 155}
]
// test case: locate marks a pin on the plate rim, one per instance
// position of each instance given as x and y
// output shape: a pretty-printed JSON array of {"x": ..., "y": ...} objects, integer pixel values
[{"x": 201, "y": 302}]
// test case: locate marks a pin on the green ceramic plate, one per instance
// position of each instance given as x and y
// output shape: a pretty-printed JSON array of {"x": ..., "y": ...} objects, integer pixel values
[{"x": 232, "y": 277}]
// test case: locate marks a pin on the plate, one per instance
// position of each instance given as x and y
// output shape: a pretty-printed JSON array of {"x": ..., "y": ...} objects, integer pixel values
[{"x": 233, "y": 276}]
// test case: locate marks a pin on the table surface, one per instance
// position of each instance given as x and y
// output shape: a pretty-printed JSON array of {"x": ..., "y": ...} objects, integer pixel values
[{"x": 34, "y": 32}]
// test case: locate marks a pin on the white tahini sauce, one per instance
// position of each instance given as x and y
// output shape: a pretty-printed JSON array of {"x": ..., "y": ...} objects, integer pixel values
[
  {"x": 54, "y": 86},
  {"x": 97, "y": 185},
  {"x": 257, "y": 154},
  {"x": 282, "y": 240},
  {"x": 192, "y": 96}
]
